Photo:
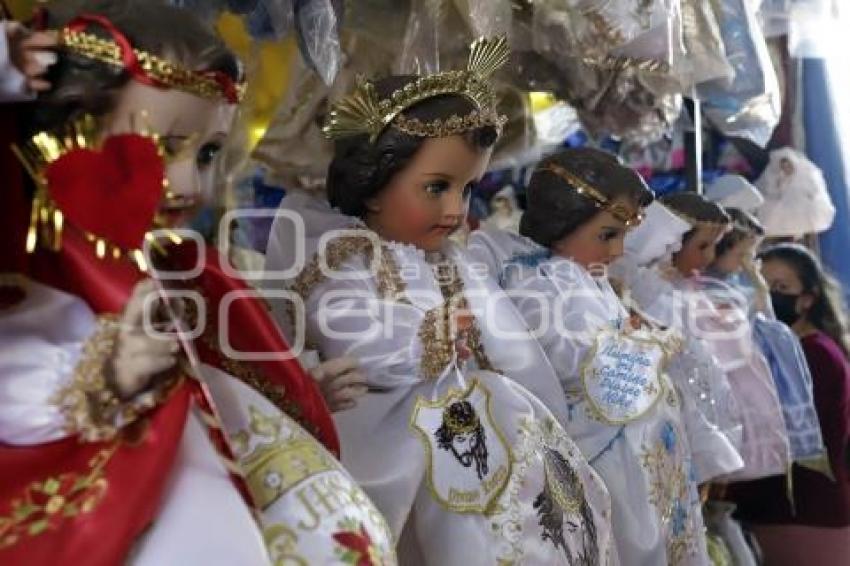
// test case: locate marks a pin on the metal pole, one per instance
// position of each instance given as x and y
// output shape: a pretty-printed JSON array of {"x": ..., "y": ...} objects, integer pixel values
[{"x": 693, "y": 145}]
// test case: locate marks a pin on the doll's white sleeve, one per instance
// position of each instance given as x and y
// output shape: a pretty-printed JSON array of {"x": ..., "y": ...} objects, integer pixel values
[
  {"x": 395, "y": 341},
  {"x": 41, "y": 342},
  {"x": 560, "y": 319}
]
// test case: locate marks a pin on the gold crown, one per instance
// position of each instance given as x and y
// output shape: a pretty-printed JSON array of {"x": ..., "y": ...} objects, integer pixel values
[
  {"x": 622, "y": 213},
  {"x": 460, "y": 425},
  {"x": 361, "y": 112},
  {"x": 212, "y": 85}
]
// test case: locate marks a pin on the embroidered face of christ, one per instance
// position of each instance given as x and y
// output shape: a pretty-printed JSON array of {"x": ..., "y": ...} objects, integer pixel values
[{"x": 462, "y": 433}]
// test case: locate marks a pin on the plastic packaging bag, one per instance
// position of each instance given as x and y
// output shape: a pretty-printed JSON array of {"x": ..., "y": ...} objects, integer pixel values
[
  {"x": 486, "y": 18},
  {"x": 705, "y": 57},
  {"x": 796, "y": 199},
  {"x": 317, "y": 24},
  {"x": 595, "y": 28},
  {"x": 270, "y": 19},
  {"x": 749, "y": 107}
]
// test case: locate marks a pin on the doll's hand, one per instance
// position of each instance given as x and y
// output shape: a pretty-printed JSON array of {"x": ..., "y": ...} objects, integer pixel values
[
  {"x": 31, "y": 53},
  {"x": 462, "y": 324},
  {"x": 138, "y": 356},
  {"x": 341, "y": 383}
]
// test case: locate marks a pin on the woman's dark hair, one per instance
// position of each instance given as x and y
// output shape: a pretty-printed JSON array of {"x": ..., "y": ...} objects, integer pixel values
[
  {"x": 828, "y": 312},
  {"x": 555, "y": 208},
  {"x": 744, "y": 226},
  {"x": 84, "y": 86},
  {"x": 360, "y": 169},
  {"x": 696, "y": 207}
]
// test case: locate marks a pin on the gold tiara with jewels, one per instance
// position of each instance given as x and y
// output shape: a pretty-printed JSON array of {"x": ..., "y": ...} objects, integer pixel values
[
  {"x": 144, "y": 67},
  {"x": 622, "y": 213},
  {"x": 362, "y": 112}
]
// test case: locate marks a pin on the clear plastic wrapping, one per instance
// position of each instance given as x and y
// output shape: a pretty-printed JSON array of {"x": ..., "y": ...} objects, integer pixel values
[
  {"x": 317, "y": 24},
  {"x": 749, "y": 107}
]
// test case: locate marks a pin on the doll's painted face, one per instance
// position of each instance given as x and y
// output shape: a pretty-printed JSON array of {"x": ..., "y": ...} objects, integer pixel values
[
  {"x": 697, "y": 252},
  {"x": 193, "y": 130},
  {"x": 599, "y": 241},
  {"x": 428, "y": 200},
  {"x": 733, "y": 259}
]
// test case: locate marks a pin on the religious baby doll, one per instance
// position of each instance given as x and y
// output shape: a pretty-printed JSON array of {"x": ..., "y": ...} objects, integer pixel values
[
  {"x": 741, "y": 285},
  {"x": 728, "y": 333},
  {"x": 711, "y": 415},
  {"x": 454, "y": 440},
  {"x": 623, "y": 410},
  {"x": 119, "y": 443}
]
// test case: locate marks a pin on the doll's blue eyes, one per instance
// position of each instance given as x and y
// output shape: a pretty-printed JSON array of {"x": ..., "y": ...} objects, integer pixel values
[
  {"x": 608, "y": 235},
  {"x": 439, "y": 187},
  {"x": 207, "y": 153}
]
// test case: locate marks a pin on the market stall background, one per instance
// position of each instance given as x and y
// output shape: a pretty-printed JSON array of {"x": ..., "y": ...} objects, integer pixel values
[{"x": 617, "y": 74}]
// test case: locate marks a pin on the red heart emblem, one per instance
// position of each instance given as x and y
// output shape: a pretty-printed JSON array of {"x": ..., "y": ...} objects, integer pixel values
[{"x": 112, "y": 193}]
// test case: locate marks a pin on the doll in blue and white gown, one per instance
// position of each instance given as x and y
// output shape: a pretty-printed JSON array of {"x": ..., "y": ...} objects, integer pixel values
[{"x": 624, "y": 412}]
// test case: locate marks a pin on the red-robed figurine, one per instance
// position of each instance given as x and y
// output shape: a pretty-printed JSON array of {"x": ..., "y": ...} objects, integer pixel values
[{"x": 117, "y": 444}]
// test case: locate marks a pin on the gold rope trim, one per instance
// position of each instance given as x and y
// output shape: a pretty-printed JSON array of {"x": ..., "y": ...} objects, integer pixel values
[
  {"x": 91, "y": 407},
  {"x": 169, "y": 74},
  {"x": 622, "y": 213}
]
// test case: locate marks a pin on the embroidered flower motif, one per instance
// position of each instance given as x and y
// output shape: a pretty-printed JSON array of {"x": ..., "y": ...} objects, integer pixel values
[
  {"x": 355, "y": 545},
  {"x": 45, "y": 504},
  {"x": 668, "y": 437},
  {"x": 678, "y": 519}
]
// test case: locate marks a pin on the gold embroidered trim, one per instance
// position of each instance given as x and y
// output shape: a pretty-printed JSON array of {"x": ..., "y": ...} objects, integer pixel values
[
  {"x": 450, "y": 126},
  {"x": 390, "y": 284},
  {"x": 275, "y": 393},
  {"x": 622, "y": 213},
  {"x": 452, "y": 288},
  {"x": 388, "y": 279},
  {"x": 499, "y": 480},
  {"x": 437, "y": 342},
  {"x": 169, "y": 74},
  {"x": 91, "y": 407},
  {"x": 46, "y": 503},
  {"x": 247, "y": 373}
]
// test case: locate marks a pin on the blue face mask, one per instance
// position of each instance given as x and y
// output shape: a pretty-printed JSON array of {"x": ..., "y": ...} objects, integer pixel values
[{"x": 785, "y": 306}]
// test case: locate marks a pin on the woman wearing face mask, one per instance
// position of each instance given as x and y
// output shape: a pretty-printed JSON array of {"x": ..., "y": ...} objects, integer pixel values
[
  {"x": 817, "y": 530},
  {"x": 111, "y": 446}
]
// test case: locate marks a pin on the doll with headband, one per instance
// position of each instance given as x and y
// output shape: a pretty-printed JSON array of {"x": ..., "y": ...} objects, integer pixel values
[
  {"x": 454, "y": 440},
  {"x": 727, "y": 332},
  {"x": 624, "y": 412},
  {"x": 735, "y": 265},
  {"x": 135, "y": 423},
  {"x": 711, "y": 415}
]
